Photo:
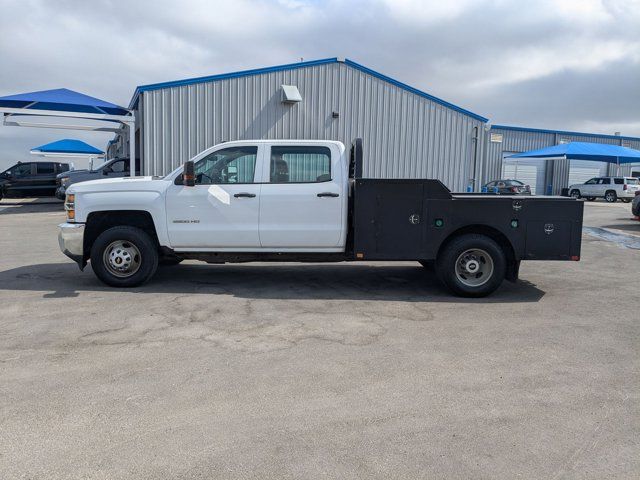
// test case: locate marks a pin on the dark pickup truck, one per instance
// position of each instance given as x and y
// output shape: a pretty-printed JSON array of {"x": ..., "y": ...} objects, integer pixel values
[
  {"x": 31, "y": 179},
  {"x": 306, "y": 201}
]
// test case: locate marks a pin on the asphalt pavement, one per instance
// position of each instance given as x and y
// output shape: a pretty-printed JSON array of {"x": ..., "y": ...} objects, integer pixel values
[{"x": 283, "y": 371}]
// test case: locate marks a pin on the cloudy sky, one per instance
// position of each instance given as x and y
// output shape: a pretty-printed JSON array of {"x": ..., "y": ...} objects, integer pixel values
[{"x": 565, "y": 64}]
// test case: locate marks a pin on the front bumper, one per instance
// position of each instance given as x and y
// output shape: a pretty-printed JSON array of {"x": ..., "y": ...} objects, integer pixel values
[
  {"x": 628, "y": 194},
  {"x": 71, "y": 241}
]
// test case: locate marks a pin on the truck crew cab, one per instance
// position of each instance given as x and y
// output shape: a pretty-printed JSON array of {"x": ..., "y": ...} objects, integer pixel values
[{"x": 306, "y": 201}]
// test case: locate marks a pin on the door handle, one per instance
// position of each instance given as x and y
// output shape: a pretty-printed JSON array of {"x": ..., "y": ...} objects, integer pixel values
[
  {"x": 245, "y": 195},
  {"x": 328, "y": 194}
]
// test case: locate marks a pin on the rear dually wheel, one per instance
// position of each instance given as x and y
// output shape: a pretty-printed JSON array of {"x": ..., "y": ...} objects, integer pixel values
[{"x": 471, "y": 265}]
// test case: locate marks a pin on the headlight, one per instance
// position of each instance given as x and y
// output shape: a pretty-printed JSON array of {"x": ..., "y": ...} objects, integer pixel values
[
  {"x": 64, "y": 181},
  {"x": 70, "y": 207}
]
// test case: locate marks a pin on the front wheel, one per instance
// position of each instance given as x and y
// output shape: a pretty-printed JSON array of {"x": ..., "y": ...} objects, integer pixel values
[
  {"x": 575, "y": 193},
  {"x": 124, "y": 256},
  {"x": 471, "y": 265}
]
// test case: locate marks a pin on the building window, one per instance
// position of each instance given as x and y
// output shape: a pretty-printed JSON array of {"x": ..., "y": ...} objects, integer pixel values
[{"x": 304, "y": 164}]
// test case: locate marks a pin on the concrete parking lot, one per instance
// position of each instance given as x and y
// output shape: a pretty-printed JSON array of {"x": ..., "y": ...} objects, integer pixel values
[{"x": 318, "y": 371}]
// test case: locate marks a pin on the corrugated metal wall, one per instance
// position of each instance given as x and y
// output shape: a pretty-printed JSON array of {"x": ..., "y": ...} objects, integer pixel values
[
  {"x": 557, "y": 170},
  {"x": 405, "y": 135}
]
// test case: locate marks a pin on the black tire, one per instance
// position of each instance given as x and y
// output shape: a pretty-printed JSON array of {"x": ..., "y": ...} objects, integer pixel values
[
  {"x": 590, "y": 199},
  {"x": 428, "y": 264},
  {"x": 575, "y": 193},
  {"x": 447, "y": 263},
  {"x": 611, "y": 196},
  {"x": 626, "y": 200},
  {"x": 147, "y": 260}
]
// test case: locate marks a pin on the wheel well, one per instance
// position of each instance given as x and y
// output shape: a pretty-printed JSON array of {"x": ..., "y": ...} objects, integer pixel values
[
  {"x": 98, "y": 222},
  {"x": 497, "y": 236},
  {"x": 611, "y": 190}
]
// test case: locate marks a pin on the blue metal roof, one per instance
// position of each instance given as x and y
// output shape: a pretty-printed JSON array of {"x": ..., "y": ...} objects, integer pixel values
[
  {"x": 560, "y": 132},
  {"x": 61, "y": 99},
  {"x": 68, "y": 145},
  {"x": 293, "y": 66},
  {"x": 599, "y": 152}
]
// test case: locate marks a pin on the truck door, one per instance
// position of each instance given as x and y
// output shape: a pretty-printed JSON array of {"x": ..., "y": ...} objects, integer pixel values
[
  {"x": 44, "y": 182},
  {"x": 221, "y": 210},
  {"x": 303, "y": 198},
  {"x": 21, "y": 177}
]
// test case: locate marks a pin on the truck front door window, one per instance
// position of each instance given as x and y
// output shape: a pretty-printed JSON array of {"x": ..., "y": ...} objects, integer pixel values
[
  {"x": 117, "y": 167},
  {"x": 22, "y": 170},
  {"x": 227, "y": 166}
]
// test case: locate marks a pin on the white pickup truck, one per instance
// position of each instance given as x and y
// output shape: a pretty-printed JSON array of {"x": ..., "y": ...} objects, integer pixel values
[{"x": 305, "y": 201}]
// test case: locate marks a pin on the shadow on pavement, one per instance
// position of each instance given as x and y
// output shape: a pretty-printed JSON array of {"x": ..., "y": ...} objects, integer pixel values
[
  {"x": 8, "y": 209},
  {"x": 274, "y": 281},
  {"x": 632, "y": 225}
]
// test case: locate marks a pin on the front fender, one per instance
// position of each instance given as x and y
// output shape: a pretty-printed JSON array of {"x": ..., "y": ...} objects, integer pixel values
[{"x": 147, "y": 201}]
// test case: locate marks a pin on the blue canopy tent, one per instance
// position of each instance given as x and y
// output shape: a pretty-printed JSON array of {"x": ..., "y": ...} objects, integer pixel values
[
  {"x": 62, "y": 99},
  {"x": 598, "y": 152},
  {"x": 67, "y": 146},
  {"x": 20, "y": 110}
]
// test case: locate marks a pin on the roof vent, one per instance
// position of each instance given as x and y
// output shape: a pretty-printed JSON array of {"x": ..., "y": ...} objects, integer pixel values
[{"x": 290, "y": 94}]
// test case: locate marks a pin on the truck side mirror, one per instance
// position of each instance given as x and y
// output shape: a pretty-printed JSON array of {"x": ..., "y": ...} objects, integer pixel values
[{"x": 188, "y": 174}]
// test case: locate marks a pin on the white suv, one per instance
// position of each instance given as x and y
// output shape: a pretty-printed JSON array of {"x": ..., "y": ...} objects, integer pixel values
[{"x": 609, "y": 188}]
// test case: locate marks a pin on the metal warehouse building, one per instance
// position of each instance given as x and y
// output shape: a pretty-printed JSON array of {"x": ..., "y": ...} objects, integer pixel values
[{"x": 407, "y": 133}]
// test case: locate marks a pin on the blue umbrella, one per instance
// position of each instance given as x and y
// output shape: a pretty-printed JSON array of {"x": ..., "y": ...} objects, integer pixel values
[
  {"x": 585, "y": 151},
  {"x": 68, "y": 145}
]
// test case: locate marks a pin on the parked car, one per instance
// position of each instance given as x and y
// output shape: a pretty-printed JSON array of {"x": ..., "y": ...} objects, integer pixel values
[
  {"x": 635, "y": 205},
  {"x": 117, "y": 167},
  {"x": 508, "y": 187},
  {"x": 31, "y": 179},
  {"x": 306, "y": 201},
  {"x": 609, "y": 188}
]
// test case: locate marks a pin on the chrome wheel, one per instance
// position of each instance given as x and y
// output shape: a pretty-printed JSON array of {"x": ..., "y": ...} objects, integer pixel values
[
  {"x": 474, "y": 267},
  {"x": 610, "y": 197},
  {"x": 122, "y": 258},
  {"x": 575, "y": 194}
]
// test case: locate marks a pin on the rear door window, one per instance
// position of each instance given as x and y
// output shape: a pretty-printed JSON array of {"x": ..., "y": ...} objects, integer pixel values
[
  {"x": 300, "y": 164},
  {"x": 45, "y": 168},
  {"x": 618, "y": 181}
]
